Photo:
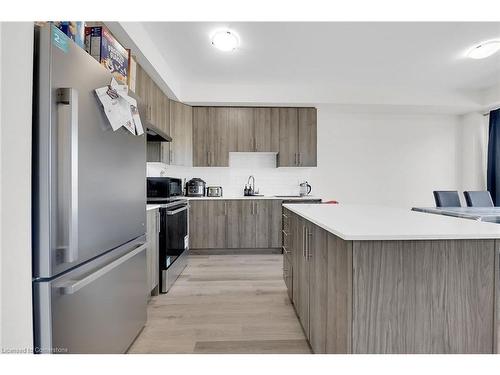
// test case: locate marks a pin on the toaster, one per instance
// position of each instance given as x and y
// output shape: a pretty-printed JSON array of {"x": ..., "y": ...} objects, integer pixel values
[{"x": 214, "y": 191}]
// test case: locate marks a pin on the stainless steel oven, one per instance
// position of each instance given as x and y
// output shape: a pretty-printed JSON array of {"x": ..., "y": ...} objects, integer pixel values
[
  {"x": 174, "y": 230},
  {"x": 174, "y": 241}
]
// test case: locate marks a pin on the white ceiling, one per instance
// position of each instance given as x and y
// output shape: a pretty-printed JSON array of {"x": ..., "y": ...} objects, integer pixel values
[{"x": 418, "y": 64}]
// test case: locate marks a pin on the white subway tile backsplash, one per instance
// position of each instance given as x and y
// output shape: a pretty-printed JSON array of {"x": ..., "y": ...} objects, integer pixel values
[{"x": 268, "y": 179}]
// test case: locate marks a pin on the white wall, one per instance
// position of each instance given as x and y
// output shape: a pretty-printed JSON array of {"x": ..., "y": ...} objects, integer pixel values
[
  {"x": 16, "y": 67},
  {"x": 383, "y": 158},
  {"x": 473, "y": 151}
]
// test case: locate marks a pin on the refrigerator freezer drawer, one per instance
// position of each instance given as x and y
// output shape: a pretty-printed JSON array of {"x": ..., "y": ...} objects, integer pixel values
[{"x": 93, "y": 309}]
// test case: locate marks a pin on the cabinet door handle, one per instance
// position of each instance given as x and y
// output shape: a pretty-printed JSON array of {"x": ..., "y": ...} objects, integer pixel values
[
  {"x": 225, "y": 208},
  {"x": 208, "y": 158},
  {"x": 171, "y": 155},
  {"x": 303, "y": 241},
  {"x": 309, "y": 237},
  {"x": 158, "y": 218},
  {"x": 300, "y": 159}
]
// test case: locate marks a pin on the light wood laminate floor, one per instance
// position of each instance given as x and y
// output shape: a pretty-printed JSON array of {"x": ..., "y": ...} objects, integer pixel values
[{"x": 224, "y": 304}]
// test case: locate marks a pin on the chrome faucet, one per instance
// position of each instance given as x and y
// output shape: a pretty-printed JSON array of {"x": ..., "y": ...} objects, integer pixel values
[{"x": 251, "y": 187}]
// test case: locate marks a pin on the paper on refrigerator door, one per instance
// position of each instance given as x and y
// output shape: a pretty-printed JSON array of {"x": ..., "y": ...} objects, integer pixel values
[
  {"x": 122, "y": 90},
  {"x": 117, "y": 109},
  {"x": 120, "y": 108},
  {"x": 135, "y": 114}
]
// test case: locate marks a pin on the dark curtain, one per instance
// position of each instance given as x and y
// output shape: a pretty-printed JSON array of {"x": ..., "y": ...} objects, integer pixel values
[{"x": 493, "y": 173}]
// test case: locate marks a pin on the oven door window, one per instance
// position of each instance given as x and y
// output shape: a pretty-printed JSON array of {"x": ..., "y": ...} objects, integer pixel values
[{"x": 176, "y": 239}]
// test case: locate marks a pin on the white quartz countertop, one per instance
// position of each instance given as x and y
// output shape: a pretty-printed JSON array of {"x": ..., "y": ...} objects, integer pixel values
[
  {"x": 366, "y": 222},
  {"x": 307, "y": 197},
  {"x": 150, "y": 207}
]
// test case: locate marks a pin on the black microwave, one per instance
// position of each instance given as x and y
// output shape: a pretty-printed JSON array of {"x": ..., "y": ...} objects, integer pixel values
[{"x": 163, "y": 187}]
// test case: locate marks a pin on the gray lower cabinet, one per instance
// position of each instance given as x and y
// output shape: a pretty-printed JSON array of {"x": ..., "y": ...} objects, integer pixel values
[
  {"x": 288, "y": 275},
  {"x": 152, "y": 253},
  {"x": 242, "y": 224},
  {"x": 317, "y": 259},
  {"x": 268, "y": 224},
  {"x": 404, "y": 296},
  {"x": 198, "y": 224},
  {"x": 302, "y": 273},
  {"x": 235, "y": 224}
]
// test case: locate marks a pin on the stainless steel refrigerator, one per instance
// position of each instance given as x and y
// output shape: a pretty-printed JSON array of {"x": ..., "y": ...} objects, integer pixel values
[{"x": 89, "y": 209}]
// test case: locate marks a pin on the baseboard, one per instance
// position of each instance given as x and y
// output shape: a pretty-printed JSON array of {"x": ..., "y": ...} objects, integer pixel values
[{"x": 273, "y": 250}]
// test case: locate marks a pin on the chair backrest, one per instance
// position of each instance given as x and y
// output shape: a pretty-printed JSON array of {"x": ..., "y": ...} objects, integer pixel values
[
  {"x": 447, "y": 198},
  {"x": 478, "y": 199}
]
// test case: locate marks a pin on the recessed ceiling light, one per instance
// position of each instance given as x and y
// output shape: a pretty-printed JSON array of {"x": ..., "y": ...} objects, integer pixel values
[
  {"x": 225, "y": 40},
  {"x": 484, "y": 49}
]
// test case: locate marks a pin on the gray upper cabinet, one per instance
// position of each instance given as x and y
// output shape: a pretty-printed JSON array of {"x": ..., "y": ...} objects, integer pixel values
[
  {"x": 266, "y": 129},
  {"x": 157, "y": 113},
  {"x": 288, "y": 138},
  {"x": 307, "y": 146},
  {"x": 298, "y": 137},
  {"x": 211, "y": 137},
  {"x": 241, "y": 129},
  {"x": 290, "y": 132},
  {"x": 218, "y": 136},
  {"x": 200, "y": 137},
  {"x": 181, "y": 131}
]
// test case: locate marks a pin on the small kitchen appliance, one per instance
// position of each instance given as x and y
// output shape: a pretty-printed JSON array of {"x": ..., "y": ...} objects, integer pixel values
[
  {"x": 195, "y": 187},
  {"x": 214, "y": 191},
  {"x": 305, "y": 189}
]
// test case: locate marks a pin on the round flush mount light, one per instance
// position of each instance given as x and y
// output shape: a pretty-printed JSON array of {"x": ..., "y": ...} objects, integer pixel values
[
  {"x": 485, "y": 49},
  {"x": 225, "y": 40}
]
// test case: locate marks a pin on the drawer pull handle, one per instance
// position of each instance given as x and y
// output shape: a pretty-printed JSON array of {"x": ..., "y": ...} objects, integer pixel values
[{"x": 75, "y": 285}]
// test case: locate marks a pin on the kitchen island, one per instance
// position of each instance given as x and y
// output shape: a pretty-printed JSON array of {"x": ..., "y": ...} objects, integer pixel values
[{"x": 369, "y": 279}]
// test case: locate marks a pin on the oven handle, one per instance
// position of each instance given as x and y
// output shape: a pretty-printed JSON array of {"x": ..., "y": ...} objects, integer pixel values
[{"x": 174, "y": 212}]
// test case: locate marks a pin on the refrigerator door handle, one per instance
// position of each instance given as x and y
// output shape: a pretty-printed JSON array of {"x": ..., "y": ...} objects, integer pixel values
[
  {"x": 67, "y": 172},
  {"x": 73, "y": 286}
]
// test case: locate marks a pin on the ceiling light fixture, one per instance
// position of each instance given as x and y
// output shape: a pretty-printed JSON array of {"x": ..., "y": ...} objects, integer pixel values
[
  {"x": 225, "y": 40},
  {"x": 484, "y": 49}
]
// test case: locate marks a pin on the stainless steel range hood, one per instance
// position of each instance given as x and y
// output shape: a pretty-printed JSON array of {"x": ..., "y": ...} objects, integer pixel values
[{"x": 155, "y": 135}]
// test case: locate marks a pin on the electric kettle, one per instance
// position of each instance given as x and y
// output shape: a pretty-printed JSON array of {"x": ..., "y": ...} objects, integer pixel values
[{"x": 305, "y": 189}]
